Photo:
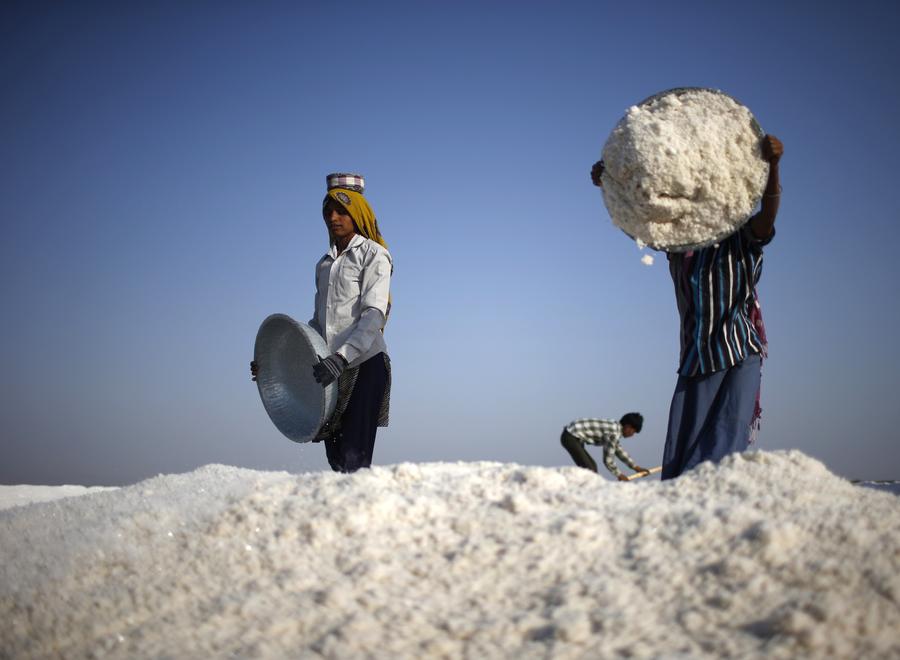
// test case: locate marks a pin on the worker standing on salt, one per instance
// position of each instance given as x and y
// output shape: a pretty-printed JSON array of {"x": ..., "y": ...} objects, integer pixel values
[
  {"x": 716, "y": 402},
  {"x": 351, "y": 308}
]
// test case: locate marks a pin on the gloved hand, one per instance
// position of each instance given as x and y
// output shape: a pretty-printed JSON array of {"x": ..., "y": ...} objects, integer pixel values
[{"x": 328, "y": 369}]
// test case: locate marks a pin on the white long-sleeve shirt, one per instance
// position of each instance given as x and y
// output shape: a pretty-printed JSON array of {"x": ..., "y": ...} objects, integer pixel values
[{"x": 352, "y": 290}]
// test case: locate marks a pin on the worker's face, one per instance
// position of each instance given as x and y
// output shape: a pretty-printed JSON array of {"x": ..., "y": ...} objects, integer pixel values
[
  {"x": 337, "y": 219},
  {"x": 627, "y": 431}
]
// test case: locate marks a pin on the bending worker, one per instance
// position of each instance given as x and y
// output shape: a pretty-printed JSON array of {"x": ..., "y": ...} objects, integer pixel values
[{"x": 604, "y": 432}]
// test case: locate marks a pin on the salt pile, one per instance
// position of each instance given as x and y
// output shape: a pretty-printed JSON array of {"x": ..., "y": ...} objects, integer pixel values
[
  {"x": 683, "y": 169},
  {"x": 768, "y": 554},
  {"x": 11, "y": 496}
]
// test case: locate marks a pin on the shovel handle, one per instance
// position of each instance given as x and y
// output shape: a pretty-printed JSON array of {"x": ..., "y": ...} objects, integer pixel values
[{"x": 638, "y": 475}]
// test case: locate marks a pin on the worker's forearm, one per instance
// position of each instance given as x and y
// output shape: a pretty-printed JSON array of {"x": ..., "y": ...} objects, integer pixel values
[
  {"x": 622, "y": 454},
  {"x": 610, "y": 463},
  {"x": 762, "y": 223}
]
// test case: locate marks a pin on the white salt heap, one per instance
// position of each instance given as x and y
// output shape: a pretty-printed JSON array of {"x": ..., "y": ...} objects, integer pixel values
[
  {"x": 11, "y": 496},
  {"x": 685, "y": 169},
  {"x": 768, "y": 554}
]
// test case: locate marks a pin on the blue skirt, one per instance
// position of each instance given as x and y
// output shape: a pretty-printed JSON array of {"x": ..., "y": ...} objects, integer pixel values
[{"x": 710, "y": 416}]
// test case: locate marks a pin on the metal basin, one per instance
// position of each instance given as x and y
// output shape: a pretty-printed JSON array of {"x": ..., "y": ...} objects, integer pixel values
[{"x": 286, "y": 351}]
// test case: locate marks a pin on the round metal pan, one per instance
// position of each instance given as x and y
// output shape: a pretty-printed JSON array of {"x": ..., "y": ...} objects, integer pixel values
[{"x": 286, "y": 351}]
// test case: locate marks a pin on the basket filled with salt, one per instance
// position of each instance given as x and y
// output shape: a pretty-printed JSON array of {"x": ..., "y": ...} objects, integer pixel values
[{"x": 683, "y": 169}]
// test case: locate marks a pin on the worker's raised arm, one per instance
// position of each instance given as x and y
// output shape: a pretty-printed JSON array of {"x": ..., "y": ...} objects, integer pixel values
[{"x": 763, "y": 222}]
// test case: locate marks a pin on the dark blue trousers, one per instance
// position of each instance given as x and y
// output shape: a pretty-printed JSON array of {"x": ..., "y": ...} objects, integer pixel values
[
  {"x": 710, "y": 416},
  {"x": 352, "y": 447},
  {"x": 576, "y": 450}
]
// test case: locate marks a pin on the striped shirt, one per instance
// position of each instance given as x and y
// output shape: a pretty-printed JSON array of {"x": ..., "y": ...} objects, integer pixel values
[
  {"x": 604, "y": 432},
  {"x": 715, "y": 289}
]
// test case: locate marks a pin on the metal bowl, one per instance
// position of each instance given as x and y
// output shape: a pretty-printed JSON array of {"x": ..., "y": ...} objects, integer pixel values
[
  {"x": 678, "y": 91},
  {"x": 286, "y": 351}
]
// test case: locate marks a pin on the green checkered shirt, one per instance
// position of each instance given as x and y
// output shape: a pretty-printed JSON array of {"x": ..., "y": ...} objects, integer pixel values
[{"x": 604, "y": 432}]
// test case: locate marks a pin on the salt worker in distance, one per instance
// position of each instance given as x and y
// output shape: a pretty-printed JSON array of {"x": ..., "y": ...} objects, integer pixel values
[
  {"x": 352, "y": 304},
  {"x": 715, "y": 409},
  {"x": 606, "y": 433}
]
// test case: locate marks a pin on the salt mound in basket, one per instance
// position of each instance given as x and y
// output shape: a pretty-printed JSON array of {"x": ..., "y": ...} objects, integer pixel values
[{"x": 683, "y": 169}]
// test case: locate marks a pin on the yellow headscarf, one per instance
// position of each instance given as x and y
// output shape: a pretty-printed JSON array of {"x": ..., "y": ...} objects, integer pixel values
[
  {"x": 364, "y": 219},
  {"x": 359, "y": 209}
]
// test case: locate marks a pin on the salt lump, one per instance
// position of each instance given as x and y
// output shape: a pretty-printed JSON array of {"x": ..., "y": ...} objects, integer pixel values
[
  {"x": 683, "y": 169},
  {"x": 766, "y": 555}
]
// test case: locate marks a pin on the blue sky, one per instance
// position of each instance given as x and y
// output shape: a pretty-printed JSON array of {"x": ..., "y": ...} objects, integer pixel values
[{"x": 161, "y": 173}]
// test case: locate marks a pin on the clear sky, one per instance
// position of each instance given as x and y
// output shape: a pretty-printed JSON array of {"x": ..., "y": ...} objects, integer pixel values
[{"x": 162, "y": 169}]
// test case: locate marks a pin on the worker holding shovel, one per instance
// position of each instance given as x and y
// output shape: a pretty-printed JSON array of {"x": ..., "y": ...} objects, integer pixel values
[{"x": 607, "y": 433}]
